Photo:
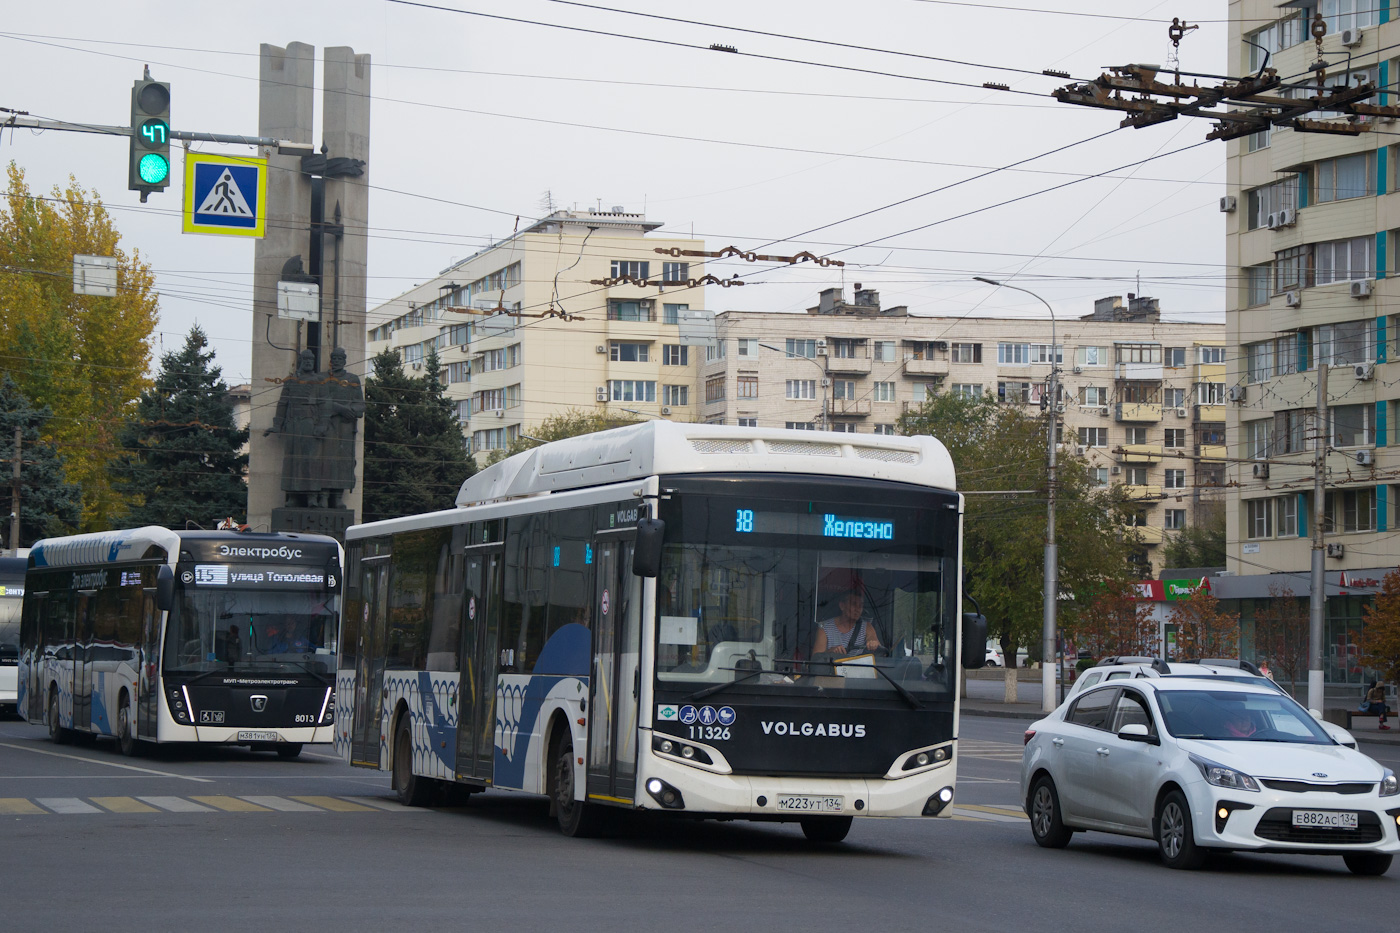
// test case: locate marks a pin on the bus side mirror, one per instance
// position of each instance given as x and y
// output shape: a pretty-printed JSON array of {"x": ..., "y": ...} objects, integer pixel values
[
  {"x": 646, "y": 552},
  {"x": 974, "y": 640},
  {"x": 165, "y": 588}
]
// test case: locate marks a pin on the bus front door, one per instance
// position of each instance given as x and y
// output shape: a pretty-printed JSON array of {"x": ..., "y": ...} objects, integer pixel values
[
  {"x": 612, "y": 711},
  {"x": 83, "y": 658},
  {"x": 476, "y": 709},
  {"x": 365, "y": 734}
]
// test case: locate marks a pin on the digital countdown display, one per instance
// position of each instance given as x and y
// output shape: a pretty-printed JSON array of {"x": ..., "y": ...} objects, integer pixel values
[{"x": 814, "y": 524}]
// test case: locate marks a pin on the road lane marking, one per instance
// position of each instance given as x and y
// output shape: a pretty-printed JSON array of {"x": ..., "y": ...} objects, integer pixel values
[
  {"x": 123, "y": 804},
  {"x": 108, "y": 764},
  {"x": 13, "y": 806},
  {"x": 281, "y": 803},
  {"x": 380, "y": 803},
  {"x": 231, "y": 804},
  {"x": 994, "y": 814},
  {"x": 175, "y": 804},
  {"x": 66, "y": 805},
  {"x": 333, "y": 803}
]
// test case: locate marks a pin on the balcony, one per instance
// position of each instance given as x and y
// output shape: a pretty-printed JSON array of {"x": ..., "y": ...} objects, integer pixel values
[
  {"x": 1210, "y": 372},
  {"x": 1146, "y": 533},
  {"x": 1146, "y": 494},
  {"x": 1138, "y": 411},
  {"x": 850, "y": 407},
  {"x": 857, "y": 364},
  {"x": 1141, "y": 453},
  {"x": 920, "y": 367},
  {"x": 1211, "y": 453},
  {"x": 1210, "y": 413},
  {"x": 1139, "y": 372}
]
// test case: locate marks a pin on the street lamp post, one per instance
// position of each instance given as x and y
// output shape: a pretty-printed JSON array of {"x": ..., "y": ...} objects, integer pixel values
[{"x": 1052, "y": 559}]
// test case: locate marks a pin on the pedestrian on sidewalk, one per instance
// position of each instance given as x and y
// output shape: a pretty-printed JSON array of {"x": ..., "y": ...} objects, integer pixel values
[{"x": 1374, "y": 702}]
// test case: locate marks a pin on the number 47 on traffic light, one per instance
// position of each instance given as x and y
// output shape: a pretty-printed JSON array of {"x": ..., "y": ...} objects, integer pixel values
[{"x": 149, "y": 168}]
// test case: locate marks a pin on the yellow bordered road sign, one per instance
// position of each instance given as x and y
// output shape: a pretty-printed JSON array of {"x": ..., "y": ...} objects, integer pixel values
[{"x": 225, "y": 195}]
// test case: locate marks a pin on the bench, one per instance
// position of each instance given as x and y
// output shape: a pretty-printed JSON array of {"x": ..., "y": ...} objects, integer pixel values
[
  {"x": 1343, "y": 717},
  {"x": 1353, "y": 714}
]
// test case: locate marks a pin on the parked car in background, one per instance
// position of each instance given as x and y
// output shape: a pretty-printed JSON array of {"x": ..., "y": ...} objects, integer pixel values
[
  {"x": 1203, "y": 764},
  {"x": 995, "y": 657}
]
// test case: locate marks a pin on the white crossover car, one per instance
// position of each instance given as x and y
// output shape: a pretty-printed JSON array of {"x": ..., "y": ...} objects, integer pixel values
[{"x": 1206, "y": 764}]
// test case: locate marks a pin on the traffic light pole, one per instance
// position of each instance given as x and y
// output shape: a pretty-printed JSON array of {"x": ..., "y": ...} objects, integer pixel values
[{"x": 284, "y": 146}]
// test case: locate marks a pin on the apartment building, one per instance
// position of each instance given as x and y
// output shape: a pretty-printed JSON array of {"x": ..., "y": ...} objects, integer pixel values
[
  {"x": 1308, "y": 223},
  {"x": 1142, "y": 400},
  {"x": 523, "y": 332}
]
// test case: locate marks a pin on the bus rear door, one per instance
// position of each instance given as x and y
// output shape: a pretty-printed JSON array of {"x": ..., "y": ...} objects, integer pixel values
[
  {"x": 369, "y": 668},
  {"x": 612, "y": 711},
  {"x": 476, "y": 723}
]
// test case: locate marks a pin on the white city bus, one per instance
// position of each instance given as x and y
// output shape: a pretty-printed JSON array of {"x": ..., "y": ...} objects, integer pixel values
[
  {"x": 11, "y": 598},
  {"x": 156, "y": 635},
  {"x": 628, "y": 619}
]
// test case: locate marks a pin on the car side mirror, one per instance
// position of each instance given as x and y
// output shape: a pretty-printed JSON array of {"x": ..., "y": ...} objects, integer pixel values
[
  {"x": 974, "y": 640},
  {"x": 646, "y": 552},
  {"x": 165, "y": 588},
  {"x": 1138, "y": 732}
]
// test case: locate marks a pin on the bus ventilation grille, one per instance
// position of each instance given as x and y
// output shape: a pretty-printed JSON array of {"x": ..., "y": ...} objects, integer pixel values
[
  {"x": 804, "y": 449},
  {"x": 723, "y": 447},
  {"x": 889, "y": 456}
]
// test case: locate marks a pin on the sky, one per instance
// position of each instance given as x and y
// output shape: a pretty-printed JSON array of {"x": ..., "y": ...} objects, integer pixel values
[{"x": 861, "y": 131}]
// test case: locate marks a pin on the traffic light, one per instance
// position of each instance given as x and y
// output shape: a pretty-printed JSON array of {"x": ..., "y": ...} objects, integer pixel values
[{"x": 150, "y": 136}]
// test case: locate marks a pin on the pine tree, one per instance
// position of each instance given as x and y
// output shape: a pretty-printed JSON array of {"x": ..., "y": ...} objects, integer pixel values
[
  {"x": 415, "y": 457},
  {"x": 182, "y": 457},
  {"x": 48, "y": 503}
]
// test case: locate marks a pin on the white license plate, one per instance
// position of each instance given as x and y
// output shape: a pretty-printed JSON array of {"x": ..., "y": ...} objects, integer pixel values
[
  {"x": 1324, "y": 819},
  {"x": 809, "y": 803},
  {"x": 257, "y": 736}
]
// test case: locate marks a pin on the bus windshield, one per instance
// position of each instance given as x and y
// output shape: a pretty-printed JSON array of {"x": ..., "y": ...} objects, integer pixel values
[
  {"x": 251, "y": 629},
  {"x": 840, "y": 596}
]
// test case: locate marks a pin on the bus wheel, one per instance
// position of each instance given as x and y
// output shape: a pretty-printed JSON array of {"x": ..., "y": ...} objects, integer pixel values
[
  {"x": 57, "y": 733},
  {"x": 826, "y": 828},
  {"x": 412, "y": 791},
  {"x": 126, "y": 741},
  {"x": 576, "y": 818},
  {"x": 288, "y": 749}
]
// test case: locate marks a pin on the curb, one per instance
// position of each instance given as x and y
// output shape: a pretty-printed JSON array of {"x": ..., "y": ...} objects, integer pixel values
[{"x": 1028, "y": 715}]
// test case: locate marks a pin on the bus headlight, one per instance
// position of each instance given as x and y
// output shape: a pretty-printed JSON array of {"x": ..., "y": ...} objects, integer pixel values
[
  {"x": 328, "y": 707},
  {"x": 178, "y": 709}
]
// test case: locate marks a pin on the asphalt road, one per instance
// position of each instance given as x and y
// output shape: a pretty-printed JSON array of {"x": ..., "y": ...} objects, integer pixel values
[{"x": 213, "y": 840}]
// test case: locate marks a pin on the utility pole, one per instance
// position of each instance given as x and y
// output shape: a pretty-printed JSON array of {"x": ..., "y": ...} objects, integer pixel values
[
  {"x": 1317, "y": 604},
  {"x": 1051, "y": 584},
  {"x": 14, "y": 495}
]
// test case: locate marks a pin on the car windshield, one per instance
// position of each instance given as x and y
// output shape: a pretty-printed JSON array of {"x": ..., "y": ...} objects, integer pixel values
[
  {"x": 1235, "y": 716},
  {"x": 251, "y": 629}
]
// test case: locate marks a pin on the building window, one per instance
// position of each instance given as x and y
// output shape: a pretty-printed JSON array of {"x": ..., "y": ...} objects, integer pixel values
[
  {"x": 843, "y": 389},
  {"x": 635, "y": 268},
  {"x": 1014, "y": 354},
  {"x": 1174, "y": 438},
  {"x": 1257, "y": 440},
  {"x": 1344, "y": 260},
  {"x": 843, "y": 427},
  {"x": 714, "y": 351},
  {"x": 1259, "y": 361},
  {"x": 803, "y": 348},
  {"x": 1276, "y": 37},
  {"x": 1093, "y": 396},
  {"x": 514, "y": 396},
  {"x": 1257, "y": 284},
  {"x": 884, "y": 351},
  {"x": 1174, "y": 398},
  {"x": 1139, "y": 353},
  {"x": 885, "y": 429},
  {"x": 1135, "y": 476},
  {"x": 675, "y": 395},
  {"x": 1100, "y": 476},
  {"x": 1352, "y": 425},
  {"x": 1348, "y": 14},
  {"x": 883, "y": 391},
  {"x": 1344, "y": 344},
  {"x": 1014, "y": 392},
  {"x": 632, "y": 390},
  {"x": 629, "y": 352},
  {"x": 1140, "y": 393},
  {"x": 1287, "y": 516},
  {"x": 1093, "y": 437},
  {"x": 1271, "y": 199},
  {"x": 801, "y": 389},
  {"x": 1135, "y": 436},
  {"x": 1350, "y": 510},
  {"x": 1174, "y": 357},
  {"x": 458, "y": 372},
  {"x": 675, "y": 271},
  {"x": 747, "y": 347},
  {"x": 1259, "y": 140},
  {"x": 747, "y": 422},
  {"x": 1175, "y": 479},
  {"x": 638, "y": 310},
  {"x": 967, "y": 390},
  {"x": 1259, "y": 518},
  {"x": 747, "y": 387},
  {"x": 671, "y": 313},
  {"x": 1292, "y": 268},
  {"x": 800, "y": 426},
  {"x": 1042, "y": 353},
  {"x": 847, "y": 349},
  {"x": 674, "y": 355},
  {"x": 1351, "y": 176},
  {"x": 1293, "y": 431},
  {"x": 1091, "y": 356},
  {"x": 464, "y": 410},
  {"x": 491, "y": 400},
  {"x": 1174, "y": 519},
  {"x": 1210, "y": 393},
  {"x": 714, "y": 389}
]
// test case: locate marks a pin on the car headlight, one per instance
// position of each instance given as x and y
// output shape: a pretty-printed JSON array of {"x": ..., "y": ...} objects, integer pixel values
[
  {"x": 1389, "y": 785},
  {"x": 1221, "y": 776}
]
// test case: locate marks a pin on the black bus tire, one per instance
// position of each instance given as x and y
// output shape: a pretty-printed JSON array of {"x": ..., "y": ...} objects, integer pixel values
[
  {"x": 577, "y": 818},
  {"x": 58, "y": 734},
  {"x": 828, "y": 829},
  {"x": 412, "y": 791},
  {"x": 126, "y": 739},
  {"x": 288, "y": 749}
]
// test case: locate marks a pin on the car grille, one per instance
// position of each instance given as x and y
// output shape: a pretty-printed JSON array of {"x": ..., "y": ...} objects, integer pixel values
[
  {"x": 1277, "y": 826},
  {"x": 1304, "y": 787}
]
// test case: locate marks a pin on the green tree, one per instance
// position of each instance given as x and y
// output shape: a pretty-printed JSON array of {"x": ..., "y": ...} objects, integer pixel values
[
  {"x": 569, "y": 423},
  {"x": 182, "y": 457},
  {"x": 999, "y": 450},
  {"x": 1202, "y": 544},
  {"x": 1380, "y": 639},
  {"x": 84, "y": 357},
  {"x": 48, "y": 503},
  {"x": 415, "y": 457},
  {"x": 1203, "y": 629},
  {"x": 1115, "y": 622}
]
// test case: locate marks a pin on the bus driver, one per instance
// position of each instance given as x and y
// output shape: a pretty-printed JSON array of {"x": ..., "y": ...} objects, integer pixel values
[{"x": 848, "y": 631}]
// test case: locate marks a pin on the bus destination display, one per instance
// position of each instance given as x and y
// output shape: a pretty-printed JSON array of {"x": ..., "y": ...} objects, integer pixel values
[{"x": 819, "y": 524}]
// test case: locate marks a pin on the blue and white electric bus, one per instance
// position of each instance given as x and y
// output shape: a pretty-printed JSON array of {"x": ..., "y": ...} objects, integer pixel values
[
  {"x": 629, "y": 619},
  {"x": 153, "y": 635}
]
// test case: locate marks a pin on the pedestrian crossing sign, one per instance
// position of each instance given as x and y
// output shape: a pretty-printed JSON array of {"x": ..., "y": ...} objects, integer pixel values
[{"x": 225, "y": 195}]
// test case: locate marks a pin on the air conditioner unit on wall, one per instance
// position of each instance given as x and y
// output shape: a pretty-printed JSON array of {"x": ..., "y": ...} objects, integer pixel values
[
  {"x": 821, "y": 348},
  {"x": 1080, "y": 450},
  {"x": 417, "y": 365},
  {"x": 1261, "y": 471},
  {"x": 1365, "y": 457},
  {"x": 1181, "y": 413},
  {"x": 1287, "y": 217},
  {"x": 1293, "y": 298},
  {"x": 665, "y": 411},
  {"x": 500, "y": 412},
  {"x": 1362, "y": 288},
  {"x": 1228, "y": 203},
  {"x": 1364, "y": 371},
  {"x": 1272, "y": 221},
  {"x": 1336, "y": 550},
  {"x": 1115, "y": 470},
  {"x": 1351, "y": 37},
  {"x": 602, "y": 393},
  {"x": 1235, "y": 393},
  {"x": 601, "y": 349}
]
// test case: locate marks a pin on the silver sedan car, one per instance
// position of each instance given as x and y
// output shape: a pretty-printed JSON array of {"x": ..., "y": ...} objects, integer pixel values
[{"x": 1201, "y": 765}]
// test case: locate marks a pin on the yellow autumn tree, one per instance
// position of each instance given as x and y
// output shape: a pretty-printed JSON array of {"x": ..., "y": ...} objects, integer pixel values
[
  {"x": 85, "y": 357},
  {"x": 1380, "y": 639},
  {"x": 1203, "y": 629}
]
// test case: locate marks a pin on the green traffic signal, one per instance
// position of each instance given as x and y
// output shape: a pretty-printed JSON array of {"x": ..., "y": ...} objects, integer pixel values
[
  {"x": 153, "y": 168},
  {"x": 149, "y": 153}
]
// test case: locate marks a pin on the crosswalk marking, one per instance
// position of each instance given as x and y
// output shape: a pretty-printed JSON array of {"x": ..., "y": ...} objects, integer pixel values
[
  {"x": 67, "y": 805},
  {"x": 231, "y": 804},
  {"x": 123, "y": 804},
  {"x": 18, "y": 806},
  {"x": 333, "y": 803},
  {"x": 281, "y": 803},
  {"x": 381, "y": 803},
  {"x": 994, "y": 814},
  {"x": 175, "y": 804},
  {"x": 995, "y": 751}
]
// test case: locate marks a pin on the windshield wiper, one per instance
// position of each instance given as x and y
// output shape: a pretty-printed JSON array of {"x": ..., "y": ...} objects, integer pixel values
[
  {"x": 909, "y": 698},
  {"x": 716, "y": 688}
]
